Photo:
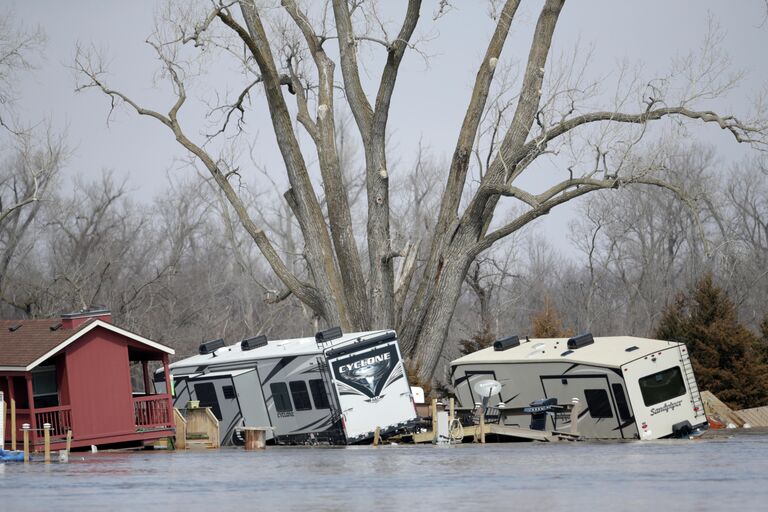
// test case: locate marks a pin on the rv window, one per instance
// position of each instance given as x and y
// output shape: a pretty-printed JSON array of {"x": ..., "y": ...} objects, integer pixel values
[
  {"x": 300, "y": 395},
  {"x": 229, "y": 392},
  {"x": 319, "y": 396},
  {"x": 662, "y": 386},
  {"x": 598, "y": 404},
  {"x": 280, "y": 396},
  {"x": 621, "y": 401}
]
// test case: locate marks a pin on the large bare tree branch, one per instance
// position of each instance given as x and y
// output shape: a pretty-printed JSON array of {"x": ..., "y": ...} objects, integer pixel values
[
  {"x": 563, "y": 192},
  {"x": 337, "y": 203},
  {"x": 361, "y": 108},
  {"x": 317, "y": 239},
  {"x": 304, "y": 291}
]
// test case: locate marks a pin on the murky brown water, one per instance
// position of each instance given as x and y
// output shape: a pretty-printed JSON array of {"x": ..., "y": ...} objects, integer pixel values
[{"x": 705, "y": 474}]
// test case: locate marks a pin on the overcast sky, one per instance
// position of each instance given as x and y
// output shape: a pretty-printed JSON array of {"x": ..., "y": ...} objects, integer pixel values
[{"x": 429, "y": 101}]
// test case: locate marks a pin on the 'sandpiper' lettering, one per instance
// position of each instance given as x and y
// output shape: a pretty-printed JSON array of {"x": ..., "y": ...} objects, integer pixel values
[
  {"x": 668, "y": 406},
  {"x": 364, "y": 362}
]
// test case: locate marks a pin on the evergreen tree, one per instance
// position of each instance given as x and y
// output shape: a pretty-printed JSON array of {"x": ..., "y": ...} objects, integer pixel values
[
  {"x": 762, "y": 346},
  {"x": 724, "y": 353}
]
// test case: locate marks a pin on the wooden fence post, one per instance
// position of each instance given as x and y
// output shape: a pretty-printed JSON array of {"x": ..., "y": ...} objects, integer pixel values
[
  {"x": 13, "y": 424},
  {"x": 434, "y": 419},
  {"x": 25, "y": 428},
  {"x": 255, "y": 438},
  {"x": 47, "y": 442},
  {"x": 482, "y": 425}
]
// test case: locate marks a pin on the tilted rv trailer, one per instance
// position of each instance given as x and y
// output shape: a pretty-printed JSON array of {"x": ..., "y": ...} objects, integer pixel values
[
  {"x": 627, "y": 387},
  {"x": 334, "y": 388}
]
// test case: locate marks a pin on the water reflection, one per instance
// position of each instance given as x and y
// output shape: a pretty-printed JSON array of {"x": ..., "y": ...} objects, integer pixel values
[{"x": 595, "y": 476}]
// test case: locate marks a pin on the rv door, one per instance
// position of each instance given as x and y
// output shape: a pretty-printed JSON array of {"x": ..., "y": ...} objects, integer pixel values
[
  {"x": 599, "y": 417},
  {"x": 372, "y": 388}
]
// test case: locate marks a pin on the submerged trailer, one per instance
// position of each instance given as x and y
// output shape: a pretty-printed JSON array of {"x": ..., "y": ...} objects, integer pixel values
[
  {"x": 333, "y": 388},
  {"x": 626, "y": 387}
]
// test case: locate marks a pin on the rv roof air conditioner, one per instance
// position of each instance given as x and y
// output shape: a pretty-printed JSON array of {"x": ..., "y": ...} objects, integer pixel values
[
  {"x": 506, "y": 343},
  {"x": 252, "y": 343},
  {"x": 209, "y": 347},
  {"x": 582, "y": 340},
  {"x": 328, "y": 335}
]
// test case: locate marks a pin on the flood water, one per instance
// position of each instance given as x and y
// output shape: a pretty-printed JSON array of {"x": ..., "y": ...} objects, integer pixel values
[{"x": 728, "y": 473}]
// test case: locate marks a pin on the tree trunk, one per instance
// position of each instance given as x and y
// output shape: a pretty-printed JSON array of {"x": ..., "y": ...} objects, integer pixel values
[{"x": 437, "y": 319}]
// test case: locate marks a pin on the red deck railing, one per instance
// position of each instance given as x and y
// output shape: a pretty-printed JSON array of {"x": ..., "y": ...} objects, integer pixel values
[
  {"x": 152, "y": 412},
  {"x": 59, "y": 417}
]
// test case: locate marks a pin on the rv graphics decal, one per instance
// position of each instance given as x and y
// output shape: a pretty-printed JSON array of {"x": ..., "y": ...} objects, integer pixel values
[
  {"x": 367, "y": 372},
  {"x": 668, "y": 406}
]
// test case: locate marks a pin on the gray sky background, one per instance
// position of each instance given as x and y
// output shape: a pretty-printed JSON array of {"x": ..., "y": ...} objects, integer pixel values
[{"x": 429, "y": 101}]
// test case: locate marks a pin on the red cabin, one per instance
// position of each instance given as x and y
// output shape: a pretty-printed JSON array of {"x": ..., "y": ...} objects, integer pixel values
[{"x": 83, "y": 374}]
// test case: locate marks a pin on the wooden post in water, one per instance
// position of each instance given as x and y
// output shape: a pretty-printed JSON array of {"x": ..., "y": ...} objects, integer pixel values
[
  {"x": 25, "y": 428},
  {"x": 451, "y": 410},
  {"x": 482, "y": 425},
  {"x": 376, "y": 436},
  {"x": 255, "y": 438},
  {"x": 13, "y": 424},
  {"x": 47, "y": 442},
  {"x": 434, "y": 419},
  {"x": 64, "y": 454}
]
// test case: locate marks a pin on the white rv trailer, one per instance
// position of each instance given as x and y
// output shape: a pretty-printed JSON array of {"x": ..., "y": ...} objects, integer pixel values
[
  {"x": 627, "y": 387},
  {"x": 333, "y": 388}
]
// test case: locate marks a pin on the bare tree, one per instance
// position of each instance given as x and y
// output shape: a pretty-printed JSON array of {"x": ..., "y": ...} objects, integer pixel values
[
  {"x": 288, "y": 50},
  {"x": 32, "y": 158}
]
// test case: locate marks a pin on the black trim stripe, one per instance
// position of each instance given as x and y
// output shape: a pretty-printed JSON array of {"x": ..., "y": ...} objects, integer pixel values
[
  {"x": 460, "y": 380},
  {"x": 507, "y": 401},
  {"x": 282, "y": 363},
  {"x": 625, "y": 425},
  {"x": 314, "y": 423}
]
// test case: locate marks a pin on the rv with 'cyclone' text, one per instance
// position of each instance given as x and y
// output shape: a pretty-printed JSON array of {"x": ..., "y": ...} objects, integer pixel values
[{"x": 332, "y": 388}]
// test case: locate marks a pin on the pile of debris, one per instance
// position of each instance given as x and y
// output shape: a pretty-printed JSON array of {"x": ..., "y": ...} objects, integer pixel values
[{"x": 722, "y": 416}]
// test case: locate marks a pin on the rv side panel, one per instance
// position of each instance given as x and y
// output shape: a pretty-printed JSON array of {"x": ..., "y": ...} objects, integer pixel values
[
  {"x": 605, "y": 412},
  {"x": 299, "y": 411}
]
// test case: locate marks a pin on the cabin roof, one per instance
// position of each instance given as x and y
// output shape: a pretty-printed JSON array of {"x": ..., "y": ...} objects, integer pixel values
[
  {"x": 609, "y": 351},
  {"x": 273, "y": 348},
  {"x": 24, "y": 344}
]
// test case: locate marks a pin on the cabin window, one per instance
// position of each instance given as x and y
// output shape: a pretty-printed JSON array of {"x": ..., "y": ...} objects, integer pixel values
[
  {"x": 621, "y": 401},
  {"x": 44, "y": 386},
  {"x": 662, "y": 386},
  {"x": 319, "y": 396},
  {"x": 598, "y": 403},
  {"x": 206, "y": 393},
  {"x": 280, "y": 397},
  {"x": 300, "y": 395}
]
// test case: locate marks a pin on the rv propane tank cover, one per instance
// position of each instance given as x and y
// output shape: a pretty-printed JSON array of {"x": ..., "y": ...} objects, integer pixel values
[
  {"x": 506, "y": 343},
  {"x": 252, "y": 343},
  {"x": 208, "y": 347},
  {"x": 328, "y": 335},
  {"x": 582, "y": 340}
]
